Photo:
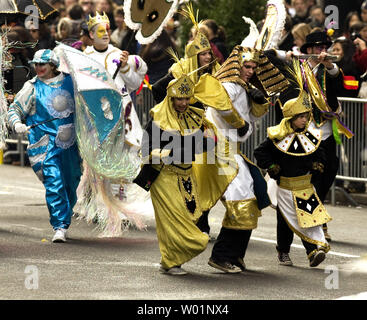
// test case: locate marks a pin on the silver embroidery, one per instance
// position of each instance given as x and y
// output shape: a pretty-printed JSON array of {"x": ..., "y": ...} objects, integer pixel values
[
  {"x": 106, "y": 107},
  {"x": 65, "y": 136},
  {"x": 60, "y": 104}
]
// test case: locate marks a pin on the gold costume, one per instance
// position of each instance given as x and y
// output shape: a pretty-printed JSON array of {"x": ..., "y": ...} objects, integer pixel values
[{"x": 182, "y": 191}]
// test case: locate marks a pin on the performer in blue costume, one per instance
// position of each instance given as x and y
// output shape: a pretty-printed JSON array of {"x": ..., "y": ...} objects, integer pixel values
[{"x": 53, "y": 152}]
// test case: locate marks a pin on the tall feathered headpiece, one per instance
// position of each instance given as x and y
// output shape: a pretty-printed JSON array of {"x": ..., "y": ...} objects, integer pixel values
[
  {"x": 200, "y": 43},
  {"x": 271, "y": 31}
]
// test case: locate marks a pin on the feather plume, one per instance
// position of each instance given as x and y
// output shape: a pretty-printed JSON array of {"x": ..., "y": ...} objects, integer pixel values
[
  {"x": 250, "y": 40},
  {"x": 175, "y": 57},
  {"x": 279, "y": 26},
  {"x": 188, "y": 12},
  {"x": 272, "y": 30},
  {"x": 295, "y": 73},
  {"x": 112, "y": 216}
]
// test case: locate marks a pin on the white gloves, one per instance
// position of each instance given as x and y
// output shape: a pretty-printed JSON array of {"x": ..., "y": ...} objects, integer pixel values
[{"x": 20, "y": 128}]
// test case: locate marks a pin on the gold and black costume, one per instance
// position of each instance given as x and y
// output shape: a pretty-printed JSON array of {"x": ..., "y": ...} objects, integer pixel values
[{"x": 188, "y": 168}]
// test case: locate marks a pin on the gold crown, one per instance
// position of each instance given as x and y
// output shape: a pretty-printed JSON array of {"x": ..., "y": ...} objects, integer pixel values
[
  {"x": 92, "y": 21},
  {"x": 249, "y": 54},
  {"x": 297, "y": 105},
  {"x": 182, "y": 87}
]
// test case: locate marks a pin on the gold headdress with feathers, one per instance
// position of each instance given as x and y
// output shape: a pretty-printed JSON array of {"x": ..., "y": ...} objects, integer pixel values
[
  {"x": 301, "y": 103},
  {"x": 182, "y": 87},
  {"x": 291, "y": 107},
  {"x": 200, "y": 43}
]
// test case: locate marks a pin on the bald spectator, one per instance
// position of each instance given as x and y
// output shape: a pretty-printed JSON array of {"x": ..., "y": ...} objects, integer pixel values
[
  {"x": 317, "y": 16},
  {"x": 301, "y": 11}
]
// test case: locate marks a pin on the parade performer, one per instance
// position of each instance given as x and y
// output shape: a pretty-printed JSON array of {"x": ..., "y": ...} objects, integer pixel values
[
  {"x": 292, "y": 154},
  {"x": 131, "y": 73},
  {"x": 198, "y": 53},
  {"x": 101, "y": 120},
  {"x": 47, "y": 104},
  {"x": 128, "y": 72},
  {"x": 198, "y": 56},
  {"x": 322, "y": 77},
  {"x": 185, "y": 178},
  {"x": 247, "y": 76}
]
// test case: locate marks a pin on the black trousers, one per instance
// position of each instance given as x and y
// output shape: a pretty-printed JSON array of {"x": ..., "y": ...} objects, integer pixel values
[
  {"x": 203, "y": 223},
  {"x": 230, "y": 245},
  {"x": 285, "y": 237}
]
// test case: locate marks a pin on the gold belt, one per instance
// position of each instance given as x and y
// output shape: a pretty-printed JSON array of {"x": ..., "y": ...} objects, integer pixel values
[{"x": 296, "y": 183}]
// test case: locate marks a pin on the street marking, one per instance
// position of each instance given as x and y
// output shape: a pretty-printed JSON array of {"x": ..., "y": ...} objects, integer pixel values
[{"x": 346, "y": 255}]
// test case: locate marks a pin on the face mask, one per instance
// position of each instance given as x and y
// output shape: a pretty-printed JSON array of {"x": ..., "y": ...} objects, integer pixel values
[{"x": 101, "y": 31}]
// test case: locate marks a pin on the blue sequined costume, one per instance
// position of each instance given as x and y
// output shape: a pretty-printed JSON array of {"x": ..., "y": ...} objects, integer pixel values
[{"x": 52, "y": 150}]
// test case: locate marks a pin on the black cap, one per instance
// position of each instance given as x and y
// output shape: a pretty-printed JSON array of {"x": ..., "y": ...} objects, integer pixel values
[{"x": 364, "y": 5}]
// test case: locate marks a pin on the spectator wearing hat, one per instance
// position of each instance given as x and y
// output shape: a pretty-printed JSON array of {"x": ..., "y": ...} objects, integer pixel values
[{"x": 47, "y": 104}]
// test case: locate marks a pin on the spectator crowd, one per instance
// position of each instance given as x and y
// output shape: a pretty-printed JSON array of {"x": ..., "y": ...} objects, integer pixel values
[{"x": 349, "y": 36}]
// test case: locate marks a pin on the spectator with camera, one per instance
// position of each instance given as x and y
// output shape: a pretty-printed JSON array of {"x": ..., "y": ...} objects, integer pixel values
[{"x": 359, "y": 38}]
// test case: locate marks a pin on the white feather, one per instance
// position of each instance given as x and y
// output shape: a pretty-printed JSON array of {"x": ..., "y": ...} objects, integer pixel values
[
  {"x": 279, "y": 26},
  {"x": 250, "y": 40}
]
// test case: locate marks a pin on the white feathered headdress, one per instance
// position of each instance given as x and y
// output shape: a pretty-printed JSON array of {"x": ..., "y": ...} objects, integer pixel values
[{"x": 271, "y": 32}]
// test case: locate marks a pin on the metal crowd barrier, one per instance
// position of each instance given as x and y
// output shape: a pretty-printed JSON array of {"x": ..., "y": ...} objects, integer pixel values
[{"x": 352, "y": 152}]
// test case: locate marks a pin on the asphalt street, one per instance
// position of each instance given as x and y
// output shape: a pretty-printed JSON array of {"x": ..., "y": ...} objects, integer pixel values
[{"x": 89, "y": 267}]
